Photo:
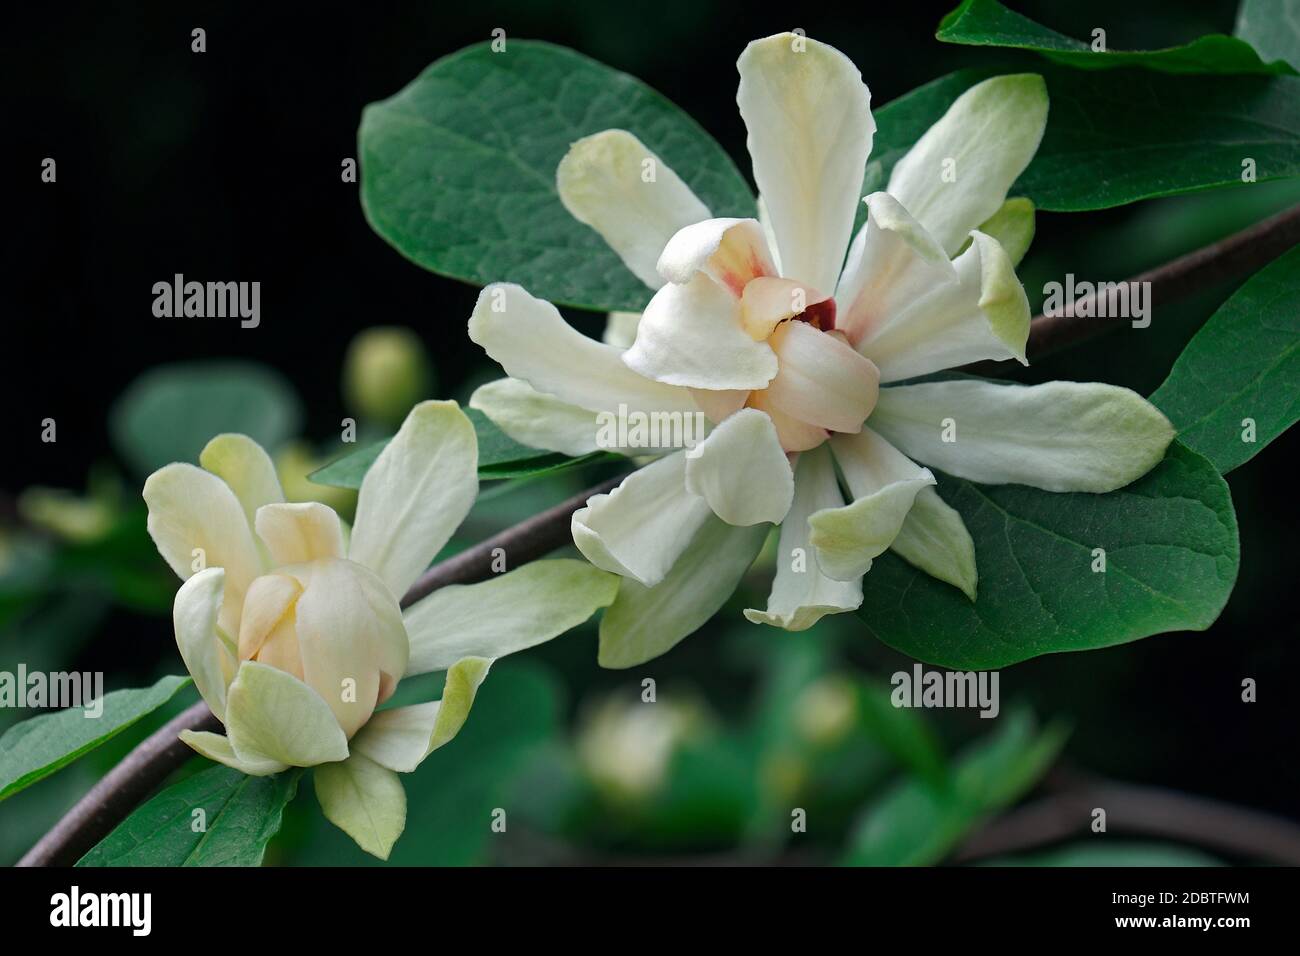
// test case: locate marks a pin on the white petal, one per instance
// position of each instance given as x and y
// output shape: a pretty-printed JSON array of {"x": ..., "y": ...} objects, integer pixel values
[
  {"x": 692, "y": 335},
  {"x": 271, "y": 715},
  {"x": 731, "y": 252},
  {"x": 884, "y": 484},
  {"x": 822, "y": 380},
  {"x": 641, "y": 527},
  {"x": 535, "y": 418},
  {"x": 401, "y": 738},
  {"x": 892, "y": 262},
  {"x": 801, "y": 594},
  {"x": 643, "y": 623},
  {"x": 602, "y": 182},
  {"x": 620, "y": 329},
  {"x": 934, "y": 538},
  {"x": 194, "y": 615},
  {"x": 742, "y": 471},
  {"x": 416, "y": 494},
  {"x": 531, "y": 341},
  {"x": 300, "y": 532},
  {"x": 525, "y": 607},
  {"x": 808, "y": 114},
  {"x": 191, "y": 510},
  {"x": 246, "y": 467},
  {"x": 1061, "y": 436},
  {"x": 984, "y": 315},
  {"x": 352, "y": 640},
  {"x": 218, "y": 748},
  {"x": 958, "y": 173},
  {"x": 365, "y": 801}
]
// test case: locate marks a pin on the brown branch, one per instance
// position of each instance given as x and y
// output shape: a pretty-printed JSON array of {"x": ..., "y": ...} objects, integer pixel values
[
  {"x": 1149, "y": 811},
  {"x": 1239, "y": 254},
  {"x": 110, "y": 801}
]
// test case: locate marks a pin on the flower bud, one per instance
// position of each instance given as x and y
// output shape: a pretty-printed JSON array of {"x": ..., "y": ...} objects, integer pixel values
[{"x": 385, "y": 372}]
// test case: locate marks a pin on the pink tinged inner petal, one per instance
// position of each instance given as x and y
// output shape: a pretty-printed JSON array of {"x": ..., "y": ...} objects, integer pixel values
[
  {"x": 719, "y": 404},
  {"x": 730, "y": 251},
  {"x": 767, "y": 301},
  {"x": 793, "y": 434},
  {"x": 821, "y": 380}
]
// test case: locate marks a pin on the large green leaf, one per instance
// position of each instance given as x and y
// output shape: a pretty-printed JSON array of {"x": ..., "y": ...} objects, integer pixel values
[
  {"x": 169, "y": 413},
  {"x": 35, "y": 748},
  {"x": 499, "y": 456},
  {"x": 989, "y": 23},
  {"x": 239, "y": 815},
  {"x": 1243, "y": 364},
  {"x": 1118, "y": 136},
  {"x": 917, "y": 823},
  {"x": 1171, "y": 558},
  {"x": 458, "y": 169},
  {"x": 1272, "y": 27}
]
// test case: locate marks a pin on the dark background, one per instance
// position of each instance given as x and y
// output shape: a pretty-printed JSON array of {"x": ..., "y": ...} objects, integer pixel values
[{"x": 225, "y": 165}]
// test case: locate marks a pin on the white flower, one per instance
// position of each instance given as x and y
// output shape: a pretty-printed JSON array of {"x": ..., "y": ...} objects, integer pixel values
[
  {"x": 790, "y": 340},
  {"x": 291, "y": 627}
]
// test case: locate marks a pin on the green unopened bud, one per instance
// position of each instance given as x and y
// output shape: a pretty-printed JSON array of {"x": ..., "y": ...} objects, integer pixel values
[{"x": 385, "y": 372}]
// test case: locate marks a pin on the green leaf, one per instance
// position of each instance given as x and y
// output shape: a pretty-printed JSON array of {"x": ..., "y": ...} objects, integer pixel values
[
  {"x": 1272, "y": 27},
  {"x": 499, "y": 456},
  {"x": 37, "y": 747},
  {"x": 169, "y": 413},
  {"x": 916, "y": 823},
  {"x": 458, "y": 169},
  {"x": 1118, "y": 136},
  {"x": 1243, "y": 364},
  {"x": 989, "y": 23},
  {"x": 1124, "y": 854},
  {"x": 1171, "y": 554},
  {"x": 240, "y": 814},
  {"x": 903, "y": 732}
]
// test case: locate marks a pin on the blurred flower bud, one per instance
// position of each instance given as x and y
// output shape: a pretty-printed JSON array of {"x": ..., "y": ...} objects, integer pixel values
[{"x": 385, "y": 372}]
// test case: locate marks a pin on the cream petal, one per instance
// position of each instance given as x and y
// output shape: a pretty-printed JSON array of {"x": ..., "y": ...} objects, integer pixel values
[
  {"x": 770, "y": 300},
  {"x": 531, "y": 341},
  {"x": 529, "y": 606},
  {"x": 611, "y": 182},
  {"x": 884, "y": 484},
  {"x": 692, "y": 335},
  {"x": 364, "y": 800},
  {"x": 537, "y": 419},
  {"x": 350, "y": 634},
  {"x": 984, "y": 315},
  {"x": 246, "y": 467},
  {"x": 742, "y": 471},
  {"x": 934, "y": 538},
  {"x": 958, "y": 173},
  {"x": 731, "y": 252},
  {"x": 191, "y": 510},
  {"x": 794, "y": 435},
  {"x": 416, "y": 494},
  {"x": 801, "y": 594},
  {"x": 270, "y": 598},
  {"x": 194, "y": 616},
  {"x": 299, "y": 532},
  {"x": 1060, "y": 436},
  {"x": 892, "y": 262},
  {"x": 620, "y": 329},
  {"x": 718, "y": 405},
  {"x": 273, "y": 716},
  {"x": 641, "y": 527},
  {"x": 402, "y": 737},
  {"x": 808, "y": 114},
  {"x": 822, "y": 380},
  {"x": 643, "y": 623},
  {"x": 1013, "y": 227},
  {"x": 218, "y": 748}
]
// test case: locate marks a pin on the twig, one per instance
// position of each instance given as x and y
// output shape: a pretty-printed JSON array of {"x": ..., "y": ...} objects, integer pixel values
[
  {"x": 109, "y": 802},
  {"x": 1238, "y": 254},
  {"x": 1150, "y": 811}
]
